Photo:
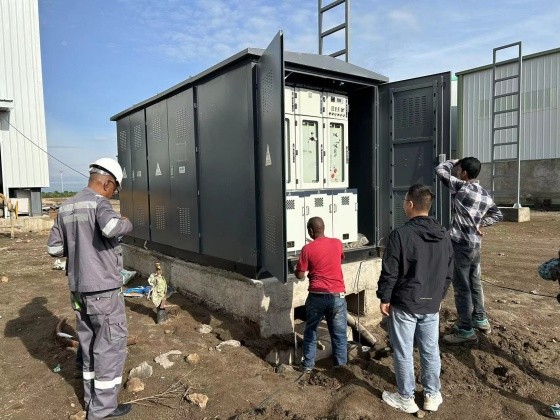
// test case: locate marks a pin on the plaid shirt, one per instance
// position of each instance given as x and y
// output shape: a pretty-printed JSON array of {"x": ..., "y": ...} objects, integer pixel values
[{"x": 471, "y": 207}]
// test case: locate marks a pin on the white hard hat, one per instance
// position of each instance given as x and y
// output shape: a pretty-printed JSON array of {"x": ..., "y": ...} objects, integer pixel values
[{"x": 109, "y": 165}]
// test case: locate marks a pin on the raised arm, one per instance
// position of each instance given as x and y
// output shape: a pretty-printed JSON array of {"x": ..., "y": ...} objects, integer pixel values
[{"x": 443, "y": 171}]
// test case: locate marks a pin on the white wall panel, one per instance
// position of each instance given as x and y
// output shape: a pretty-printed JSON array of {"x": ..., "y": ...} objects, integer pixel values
[
  {"x": 540, "y": 112},
  {"x": 23, "y": 164}
]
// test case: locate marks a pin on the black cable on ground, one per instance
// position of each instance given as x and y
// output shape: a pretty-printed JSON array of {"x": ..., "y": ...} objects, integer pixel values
[{"x": 517, "y": 290}]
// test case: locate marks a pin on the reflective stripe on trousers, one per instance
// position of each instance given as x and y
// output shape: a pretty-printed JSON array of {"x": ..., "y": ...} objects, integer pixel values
[{"x": 102, "y": 331}]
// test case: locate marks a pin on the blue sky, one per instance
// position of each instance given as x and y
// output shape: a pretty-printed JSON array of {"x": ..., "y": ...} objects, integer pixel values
[{"x": 101, "y": 57}]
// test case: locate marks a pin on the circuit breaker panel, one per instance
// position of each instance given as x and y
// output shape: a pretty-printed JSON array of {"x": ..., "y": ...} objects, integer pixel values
[{"x": 317, "y": 159}]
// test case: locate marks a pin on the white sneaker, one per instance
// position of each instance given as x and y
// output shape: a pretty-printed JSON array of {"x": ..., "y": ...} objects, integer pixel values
[
  {"x": 432, "y": 402},
  {"x": 394, "y": 399}
]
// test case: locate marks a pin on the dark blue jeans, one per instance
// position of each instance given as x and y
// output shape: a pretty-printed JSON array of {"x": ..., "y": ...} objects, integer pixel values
[
  {"x": 469, "y": 297},
  {"x": 333, "y": 309}
]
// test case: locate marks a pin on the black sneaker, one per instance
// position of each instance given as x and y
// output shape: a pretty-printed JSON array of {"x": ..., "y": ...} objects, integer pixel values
[
  {"x": 121, "y": 410},
  {"x": 304, "y": 369}
]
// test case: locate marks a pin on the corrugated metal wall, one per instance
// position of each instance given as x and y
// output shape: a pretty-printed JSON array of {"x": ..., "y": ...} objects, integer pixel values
[
  {"x": 540, "y": 114},
  {"x": 23, "y": 164}
]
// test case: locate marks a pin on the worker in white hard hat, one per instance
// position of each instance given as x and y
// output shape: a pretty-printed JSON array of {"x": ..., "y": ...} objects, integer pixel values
[
  {"x": 108, "y": 167},
  {"x": 86, "y": 232}
]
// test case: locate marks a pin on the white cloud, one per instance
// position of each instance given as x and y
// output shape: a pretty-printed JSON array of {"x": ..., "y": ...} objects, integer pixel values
[{"x": 404, "y": 17}]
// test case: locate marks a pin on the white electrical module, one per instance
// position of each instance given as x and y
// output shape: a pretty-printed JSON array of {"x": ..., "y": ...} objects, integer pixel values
[
  {"x": 295, "y": 223},
  {"x": 345, "y": 216},
  {"x": 318, "y": 205},
  {"x": 309, "y": 134},
  {"x": 309, "y": 102},
  {"x": 317, "y": 159},
  {"x": 336, "y": 141}
]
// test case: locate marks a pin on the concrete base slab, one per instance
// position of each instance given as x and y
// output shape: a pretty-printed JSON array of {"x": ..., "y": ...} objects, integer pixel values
[
  {"x": 519, "y": 215},
  {"x": 267, "y": 302},
  {"x": 27, "y": 224}
]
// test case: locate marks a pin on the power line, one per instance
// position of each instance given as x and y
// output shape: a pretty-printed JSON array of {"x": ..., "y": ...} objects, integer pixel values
[{"x": 43, "y": 150}]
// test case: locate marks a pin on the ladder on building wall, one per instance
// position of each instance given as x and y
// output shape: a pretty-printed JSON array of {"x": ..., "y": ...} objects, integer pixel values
[
  {"x": 323, "y": 34},
  {"x": 506, "y": 115}
]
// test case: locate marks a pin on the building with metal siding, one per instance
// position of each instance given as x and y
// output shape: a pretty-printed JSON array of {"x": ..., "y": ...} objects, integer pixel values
[
  {"x": 539, "y": 133},
  {"x": 23, "y": 165}
]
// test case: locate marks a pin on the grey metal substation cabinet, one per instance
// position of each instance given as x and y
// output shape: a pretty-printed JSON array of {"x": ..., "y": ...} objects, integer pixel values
[{"x": 225, "y": 168}]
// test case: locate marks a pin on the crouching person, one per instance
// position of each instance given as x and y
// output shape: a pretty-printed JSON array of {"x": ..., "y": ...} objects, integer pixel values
[{"x": 416, "y": 272}]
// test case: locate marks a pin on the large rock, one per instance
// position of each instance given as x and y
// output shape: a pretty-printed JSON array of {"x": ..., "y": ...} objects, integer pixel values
[
  {"x": 198, "y": 399},
  {"x": 142, "y": 371},
  {"x": 228, "y": 343},
  {"x": 163, "y": 359},
  {"x": 193, "y": 358},
  {"x": 204, "y": 329},
  {"x": 134, "y": 385}
]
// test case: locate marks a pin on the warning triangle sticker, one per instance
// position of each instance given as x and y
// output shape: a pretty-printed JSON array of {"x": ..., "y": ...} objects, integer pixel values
[
  {"x": 158, "y": 170},
  {"x": 268, "y": 161},
  {"x": 124, "y": 173}
]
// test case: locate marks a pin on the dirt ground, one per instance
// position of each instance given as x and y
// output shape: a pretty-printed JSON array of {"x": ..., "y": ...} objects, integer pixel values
[{"x": 511, "y": 374}]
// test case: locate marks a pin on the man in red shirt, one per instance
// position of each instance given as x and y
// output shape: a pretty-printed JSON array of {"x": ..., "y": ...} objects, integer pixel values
[{"x": 322, "y": 258}]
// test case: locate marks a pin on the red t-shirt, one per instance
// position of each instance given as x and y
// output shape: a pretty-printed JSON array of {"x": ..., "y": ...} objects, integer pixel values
[{"x": 323, "y": 259}]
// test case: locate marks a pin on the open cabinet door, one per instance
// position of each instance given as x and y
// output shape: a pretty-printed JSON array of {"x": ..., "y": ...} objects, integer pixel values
[
  {"x": 414, "y": 129},
  {"x": 270, "y": 151}
]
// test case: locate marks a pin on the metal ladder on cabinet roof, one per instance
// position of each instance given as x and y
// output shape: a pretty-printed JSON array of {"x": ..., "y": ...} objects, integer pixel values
[
  {"x": 322, "y": 34},
  {"x": 506, "y": 115}
]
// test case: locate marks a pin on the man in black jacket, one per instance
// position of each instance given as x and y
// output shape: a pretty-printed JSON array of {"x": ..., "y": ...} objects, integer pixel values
[{"x": 416, "y": 272}]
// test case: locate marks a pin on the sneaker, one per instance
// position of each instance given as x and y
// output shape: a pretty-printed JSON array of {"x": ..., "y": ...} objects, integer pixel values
[
  {"x": 482, "y": 325},
  {"x": 553, "y": 411},
  {"x": 460, "y": 336},
  {"x": 304, "y": 369},
  {"x": 394, "y": 399},
  {"x": 432, "y": 402}
]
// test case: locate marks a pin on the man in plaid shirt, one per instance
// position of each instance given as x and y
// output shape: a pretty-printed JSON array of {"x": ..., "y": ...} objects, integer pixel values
[{"x": 472, "y": 208}]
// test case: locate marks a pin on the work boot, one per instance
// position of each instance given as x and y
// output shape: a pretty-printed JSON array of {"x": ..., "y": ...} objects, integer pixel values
[
  {"x": 161, "y": 316},
  {"x": 121, "y": 410}
]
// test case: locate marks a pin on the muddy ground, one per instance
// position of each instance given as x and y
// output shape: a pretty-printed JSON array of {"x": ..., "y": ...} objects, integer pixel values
[{"x": 511, "y": 374}]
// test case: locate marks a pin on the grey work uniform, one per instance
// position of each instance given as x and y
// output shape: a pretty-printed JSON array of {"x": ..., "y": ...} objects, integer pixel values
[{"x": 86, "y": 231}]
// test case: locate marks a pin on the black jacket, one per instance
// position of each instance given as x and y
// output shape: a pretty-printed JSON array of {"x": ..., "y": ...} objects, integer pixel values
[{"x": 417, "y": 266}]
